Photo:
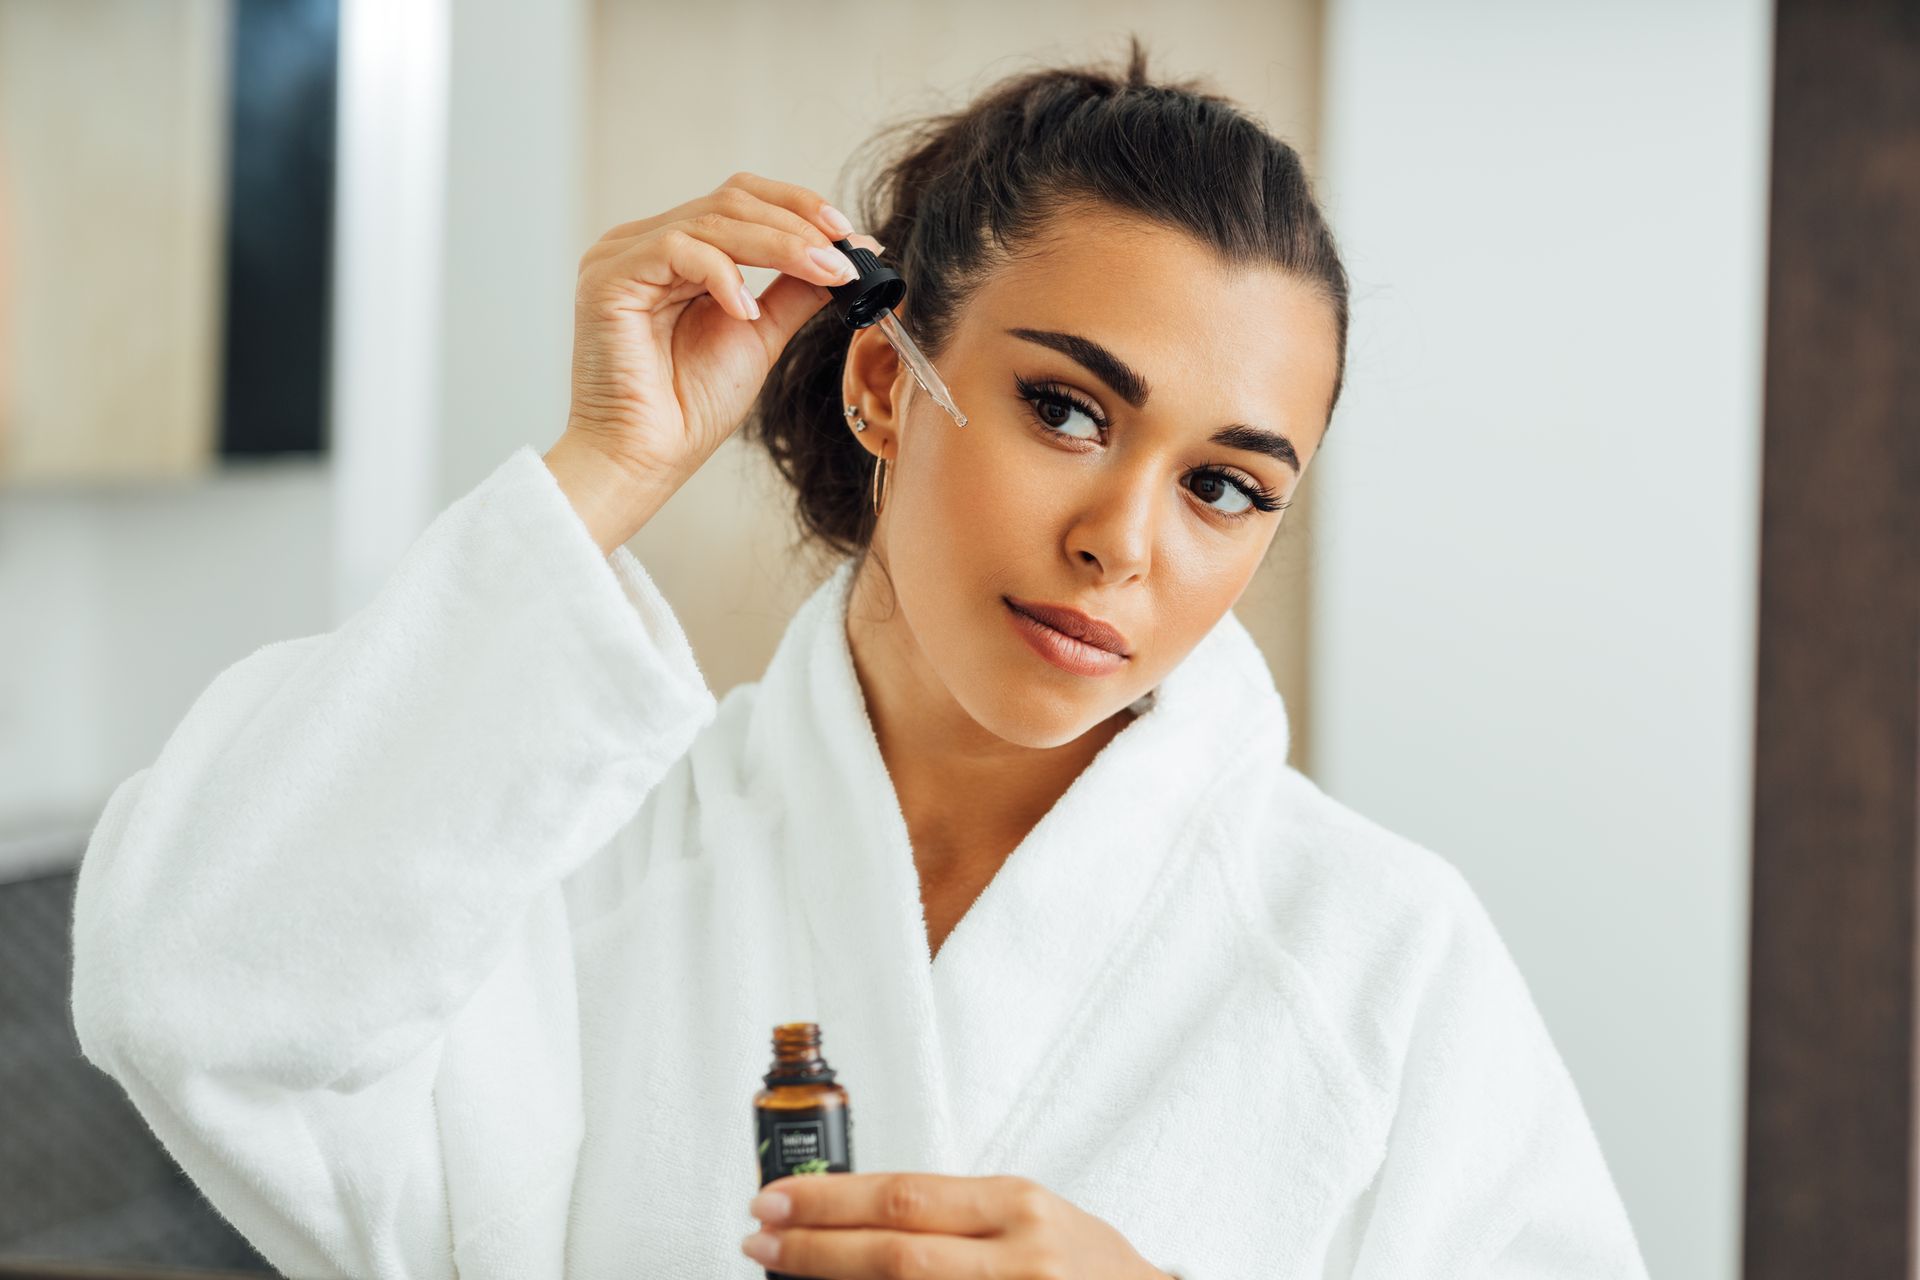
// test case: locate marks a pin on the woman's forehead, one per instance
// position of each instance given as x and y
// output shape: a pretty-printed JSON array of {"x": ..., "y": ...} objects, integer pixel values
[{"x": 1134, "y": 275}]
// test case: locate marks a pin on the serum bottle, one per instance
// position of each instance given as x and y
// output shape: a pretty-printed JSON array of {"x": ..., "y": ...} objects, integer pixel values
[{"x": 801, "y": 1120}]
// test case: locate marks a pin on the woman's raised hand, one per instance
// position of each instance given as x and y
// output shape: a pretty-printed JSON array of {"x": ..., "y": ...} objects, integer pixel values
[{"x": 669, "y": 346}]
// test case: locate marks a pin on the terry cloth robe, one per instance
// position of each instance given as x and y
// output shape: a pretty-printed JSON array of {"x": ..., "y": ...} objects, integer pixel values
[{"x": 451, "y": 942}]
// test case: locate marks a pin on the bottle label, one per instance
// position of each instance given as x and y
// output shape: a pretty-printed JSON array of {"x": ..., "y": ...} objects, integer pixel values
[{"x": 807, "y": 1140}]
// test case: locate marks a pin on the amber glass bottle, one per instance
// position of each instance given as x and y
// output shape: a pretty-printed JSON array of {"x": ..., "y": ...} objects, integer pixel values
[{"x": 801, "y": 1121}]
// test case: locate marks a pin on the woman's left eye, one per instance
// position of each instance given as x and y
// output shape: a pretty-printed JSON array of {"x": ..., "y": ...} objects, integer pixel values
[
  {"x": 1047, "y": 401},
  {"x": 1042, "y": 399},
  {"x": 1221, "y": 482}
]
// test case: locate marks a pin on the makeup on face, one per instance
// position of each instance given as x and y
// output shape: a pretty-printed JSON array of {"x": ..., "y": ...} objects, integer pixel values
[
  {"x": 1131, "y": 386},
  {"x": 1068, "y": 652}
]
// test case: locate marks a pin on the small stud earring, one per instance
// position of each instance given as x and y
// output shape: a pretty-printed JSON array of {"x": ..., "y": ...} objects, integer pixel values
[{"x": 853, "y": 416}]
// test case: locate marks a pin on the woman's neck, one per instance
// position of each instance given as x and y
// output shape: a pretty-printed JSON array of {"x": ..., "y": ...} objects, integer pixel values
[{"x": 968, "y": 796}]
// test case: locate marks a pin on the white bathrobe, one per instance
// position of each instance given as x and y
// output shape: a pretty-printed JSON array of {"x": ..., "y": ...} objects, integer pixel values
[{"x": 451, "y": 943}]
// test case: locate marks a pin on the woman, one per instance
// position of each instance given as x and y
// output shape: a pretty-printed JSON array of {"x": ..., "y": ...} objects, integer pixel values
[{"x": 449, "y": 942}]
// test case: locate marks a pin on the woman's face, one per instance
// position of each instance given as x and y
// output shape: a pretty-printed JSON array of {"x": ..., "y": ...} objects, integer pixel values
[{"x": 1093, "y": 374}]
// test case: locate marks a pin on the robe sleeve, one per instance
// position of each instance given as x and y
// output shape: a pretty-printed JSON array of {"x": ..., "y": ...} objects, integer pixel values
[
  {"x": 1492, "y": 1169},
  {"x": 315, "y": 933}
]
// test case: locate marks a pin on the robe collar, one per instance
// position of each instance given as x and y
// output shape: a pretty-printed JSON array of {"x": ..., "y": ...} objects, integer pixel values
[{"x": 943, "y": 1055}]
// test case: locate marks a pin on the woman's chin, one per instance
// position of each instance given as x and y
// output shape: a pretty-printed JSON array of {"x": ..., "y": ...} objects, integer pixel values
[{"x": 1030, "y": 712}]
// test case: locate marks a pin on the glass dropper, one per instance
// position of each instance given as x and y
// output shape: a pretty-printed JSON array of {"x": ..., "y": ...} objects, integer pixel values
[
  {"x": 923, "y": 370},
  {"x": 870, "y": 298}
]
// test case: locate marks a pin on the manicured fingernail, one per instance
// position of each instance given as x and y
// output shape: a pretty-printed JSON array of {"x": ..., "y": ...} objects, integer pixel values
[
  {"x": 748, "y": 301},
  {"x": 835, "y": 261},
  {"x": 761, "y": 1247},
  {"x": 771, "y": 1206},
  {"x": 836, "y": 220}
]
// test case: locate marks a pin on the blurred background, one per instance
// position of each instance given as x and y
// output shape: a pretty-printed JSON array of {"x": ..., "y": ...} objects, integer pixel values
[{"x": 280, "y": 279}]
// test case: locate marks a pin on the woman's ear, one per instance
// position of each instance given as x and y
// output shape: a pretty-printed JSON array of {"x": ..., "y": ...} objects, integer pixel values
[{"x": 874, "y": 382}]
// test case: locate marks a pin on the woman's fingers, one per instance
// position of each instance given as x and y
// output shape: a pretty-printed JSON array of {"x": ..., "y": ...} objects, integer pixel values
[
  {"x": 704, "y": 253},
  {"x": 738, "y": 202},
  {"x": 709, "y": 251},
  {"x": 755, "y": 244},
  {"x": 858, "y": 1253},
  {"x": 908, "y": 1201},
  {"x": 667, "y": 383},
  {"x": 749, "y": 198},
  {"x": 808, "y": 204},
  {"x": 661, "y": 262},
  {"x": 790, "y": 302},
  {"x": 750, "y": 243}
]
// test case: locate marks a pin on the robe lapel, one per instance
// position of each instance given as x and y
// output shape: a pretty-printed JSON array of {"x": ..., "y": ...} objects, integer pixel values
[
  {"x": 814, "y": 760},
  {"x": 937, "y": 1053}
]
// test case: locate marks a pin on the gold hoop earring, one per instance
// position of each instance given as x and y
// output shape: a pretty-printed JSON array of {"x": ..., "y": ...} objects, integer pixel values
[{"x": 879, "y": 483}]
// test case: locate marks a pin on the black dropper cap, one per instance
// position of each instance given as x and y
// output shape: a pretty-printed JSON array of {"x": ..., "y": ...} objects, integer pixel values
[{"x": 878, "y": 287}]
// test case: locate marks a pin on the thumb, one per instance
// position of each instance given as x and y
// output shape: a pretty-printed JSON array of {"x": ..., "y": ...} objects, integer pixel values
[{"x": 790, "y": 302}]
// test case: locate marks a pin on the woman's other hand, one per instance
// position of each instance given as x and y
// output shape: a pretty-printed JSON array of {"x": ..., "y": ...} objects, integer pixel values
[{"x": 877, "y": 1226}]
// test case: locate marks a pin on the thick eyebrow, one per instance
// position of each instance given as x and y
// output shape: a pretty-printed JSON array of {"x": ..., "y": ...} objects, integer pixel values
[{"x": 1128, "y": 383}]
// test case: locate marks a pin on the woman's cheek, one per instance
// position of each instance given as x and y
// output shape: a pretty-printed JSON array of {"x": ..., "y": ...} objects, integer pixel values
[
  {"x": 1026, "y": 487},
  {"x": 986, "y": 491}
]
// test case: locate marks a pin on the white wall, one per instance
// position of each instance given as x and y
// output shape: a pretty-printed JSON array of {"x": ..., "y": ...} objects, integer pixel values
[
  {"x": 118, "y": 604},
  {"x": 1536, "y": 569},
  {"x": 514, "y": 233},
  {"x": 460, "y": 241}
]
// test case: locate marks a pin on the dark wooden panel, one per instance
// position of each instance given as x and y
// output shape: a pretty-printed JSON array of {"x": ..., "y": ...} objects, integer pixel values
[
  {"x": 1830, "y": 1185},
  {"x": 280, "y": 205}
]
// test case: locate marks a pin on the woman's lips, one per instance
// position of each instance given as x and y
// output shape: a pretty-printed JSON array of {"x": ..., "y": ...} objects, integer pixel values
[
  {"x": 1061, "y": 649},
  {"x": 1070, "y": 621}
]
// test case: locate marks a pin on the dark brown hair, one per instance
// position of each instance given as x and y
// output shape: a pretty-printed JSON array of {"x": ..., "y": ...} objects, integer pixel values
[{"x": 965, "y": 190}]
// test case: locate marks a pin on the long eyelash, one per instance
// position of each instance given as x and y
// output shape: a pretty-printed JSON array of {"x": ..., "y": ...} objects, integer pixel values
[
  {"x": 1257, "y": 494},
  {"x": 1260, "y": 498},
  {"x": 1054, "y": 394}
]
